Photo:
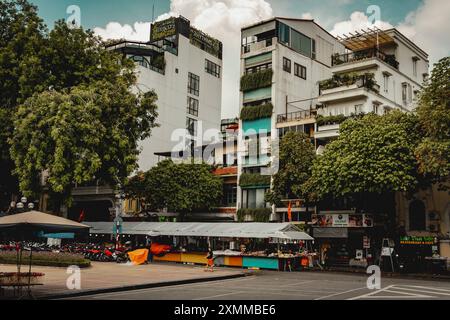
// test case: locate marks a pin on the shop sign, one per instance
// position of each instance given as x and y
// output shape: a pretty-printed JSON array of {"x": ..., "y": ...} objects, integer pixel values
[
  {"x": 163, "y": 29},
  {"x": 343, "y": 220},
  {"x": 411, "y": 240}
]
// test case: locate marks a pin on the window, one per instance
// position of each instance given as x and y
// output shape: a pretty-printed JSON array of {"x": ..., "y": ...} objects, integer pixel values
[
  {"x": 258, "y": 68},
  {"x": 375, "y": 108},
  {"x": 212, "y": 68},
  {"x": 192, "y": 106},
  {"x": 415, "y": 67},
  {"x": 286, "y": 65},
  {"x": 229, "y": 195},
  {"x": 358, "y": 108},
  {"x": 404, "y": 92},
  {"x": 284, "y": 33},
  {"x": 191, "y": 126},
  {"x": 301, "y": 43},
  {"x": 313, "y": 46},
  {"x": 386, "y": 82},
  {"x": 193, "y": 84},
  {"x": 300, "y": 71}
]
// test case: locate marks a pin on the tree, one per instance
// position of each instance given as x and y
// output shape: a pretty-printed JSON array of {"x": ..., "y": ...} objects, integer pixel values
[
  {"x": 372, "y": 158},
  {"x": 433, "y": 152},
  {"x": 296, "y": 157},
  {"x": 79, "y": 135},
  {"x": 22, "y": 35},
  {"x": 182, "y": 188}
]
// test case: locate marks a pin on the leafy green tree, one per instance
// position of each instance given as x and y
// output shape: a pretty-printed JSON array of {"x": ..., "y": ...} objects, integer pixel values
[
  {"x": 183, "y": 188},
  {"x": 374, "y": 154},
  {"x": 22, "y": 35},
  {"x": 296, "y": 157},
  {"x": 433, "y": 152},
  {"x": 76, "y": 136}
]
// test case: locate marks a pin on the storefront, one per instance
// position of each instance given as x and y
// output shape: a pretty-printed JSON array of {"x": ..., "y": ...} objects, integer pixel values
[{"x": 346, "y": 239}]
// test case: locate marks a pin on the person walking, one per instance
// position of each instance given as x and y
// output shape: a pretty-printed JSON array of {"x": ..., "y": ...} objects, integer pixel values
[{"x": 210, "y": 260}]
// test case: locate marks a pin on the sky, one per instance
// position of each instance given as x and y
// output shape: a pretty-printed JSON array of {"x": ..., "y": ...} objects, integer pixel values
[{"x": 423, "y": 21}]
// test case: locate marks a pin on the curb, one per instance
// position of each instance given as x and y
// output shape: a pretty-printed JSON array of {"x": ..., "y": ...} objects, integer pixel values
[{"x": 137, "y": 287}]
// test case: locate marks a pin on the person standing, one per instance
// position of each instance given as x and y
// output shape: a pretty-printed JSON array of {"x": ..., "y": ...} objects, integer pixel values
[{"x": 210, "y": 260}]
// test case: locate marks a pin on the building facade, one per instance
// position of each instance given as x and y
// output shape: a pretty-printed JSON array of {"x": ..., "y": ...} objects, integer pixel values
[
  {"x": 183, "y": 66},
  {"x": 282, "y": 60}
]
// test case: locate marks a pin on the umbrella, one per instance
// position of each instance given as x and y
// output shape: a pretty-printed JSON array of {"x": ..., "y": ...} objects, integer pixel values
[
  {"x": 40, "y": 221},
  {"x": 24, "y": 223}
]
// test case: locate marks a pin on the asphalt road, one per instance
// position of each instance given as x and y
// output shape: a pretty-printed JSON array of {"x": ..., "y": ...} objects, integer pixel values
[{"x": 274, "y": 285}]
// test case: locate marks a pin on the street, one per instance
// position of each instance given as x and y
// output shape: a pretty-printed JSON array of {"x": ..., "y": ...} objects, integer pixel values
[{"x": 266, "y": 285}]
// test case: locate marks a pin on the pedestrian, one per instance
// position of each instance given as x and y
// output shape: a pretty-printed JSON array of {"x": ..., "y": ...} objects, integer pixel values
[{"x": 210, "y": 260}]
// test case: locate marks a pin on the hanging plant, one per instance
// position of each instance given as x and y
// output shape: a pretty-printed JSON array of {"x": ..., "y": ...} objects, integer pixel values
[
  {"x": 256, "y": 80},
  {"x": 249, "y": 113}
]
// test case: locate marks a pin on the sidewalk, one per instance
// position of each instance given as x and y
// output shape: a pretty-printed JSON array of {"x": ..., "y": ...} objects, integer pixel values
[{"x": 108, "y": 277}]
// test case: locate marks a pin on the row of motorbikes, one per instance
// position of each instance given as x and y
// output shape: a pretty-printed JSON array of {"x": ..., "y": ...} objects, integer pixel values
[{"x": 91, "y": 251}]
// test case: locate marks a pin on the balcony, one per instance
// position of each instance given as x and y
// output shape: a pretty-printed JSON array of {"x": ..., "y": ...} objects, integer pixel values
[
  {"x": 296, "y": 116},
  {"x": 258, "y": 46},
  {"x": 357, "y": 56}
]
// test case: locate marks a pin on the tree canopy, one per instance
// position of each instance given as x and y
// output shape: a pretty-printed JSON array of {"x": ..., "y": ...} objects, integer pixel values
[
  {"x": 296, "y": 156},
  {"x": 66, "y": 104},
  {"x": 433, "y": 152},
  {"x": 374, "y": 154},
  {"x": 178, "y": 187}
]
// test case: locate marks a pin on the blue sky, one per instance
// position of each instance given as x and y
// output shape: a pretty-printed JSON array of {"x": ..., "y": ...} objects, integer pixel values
[
  {"x": 99, "y": 12},
  {"x": 425, "y": 22}
]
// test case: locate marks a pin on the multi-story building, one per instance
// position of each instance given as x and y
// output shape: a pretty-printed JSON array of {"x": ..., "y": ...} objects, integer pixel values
[
  {"x": 282, "y": 61},
  {"x": 380, "y": 71},
  {"x": 183, "y": 66}
]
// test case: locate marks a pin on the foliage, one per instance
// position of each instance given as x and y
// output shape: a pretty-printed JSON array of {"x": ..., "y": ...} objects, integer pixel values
[
  {"x": 338, "y": 80},
  {"x": 79, "y": 135},
  {"x": 256, "y": 80},
  {"x": 249, "y": 113},
  {"x": 182, "y": 188},
  {"x": 159, "y": 62},
  {"x": 257, "y": 214},
  {"x": 374, "y": 154},
  {"x": 51, "y": 259},
  {"x": 296, "y": 157},
  {"x": 433, "y": 153},
  {"x": 329, "y": 120},
  {"x": 253, "y": 180},
  {"x": 34, "y": 60}
]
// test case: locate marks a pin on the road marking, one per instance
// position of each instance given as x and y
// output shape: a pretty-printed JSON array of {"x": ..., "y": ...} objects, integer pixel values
[
  {"x": 433, "y": 288},
  {"x": 339, "y": 293},
  {"x": 429, "y": 290},
  {"x": 218, "y": 295},
  {"x": 414, "y": 293}
]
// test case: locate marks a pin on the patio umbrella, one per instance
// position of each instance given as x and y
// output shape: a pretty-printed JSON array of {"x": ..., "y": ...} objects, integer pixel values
[{"x": 24, "y": 224}]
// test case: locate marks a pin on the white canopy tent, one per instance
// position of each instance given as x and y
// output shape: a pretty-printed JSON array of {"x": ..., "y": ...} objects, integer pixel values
[{"x": 286, "y": 231}]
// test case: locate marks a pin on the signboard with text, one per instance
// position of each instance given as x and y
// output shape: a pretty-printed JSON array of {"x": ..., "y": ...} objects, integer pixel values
[
  {"x": 411, "y": 240},
  {"x": 343, "y": 220},
  {"x": 163, "y": 29}
]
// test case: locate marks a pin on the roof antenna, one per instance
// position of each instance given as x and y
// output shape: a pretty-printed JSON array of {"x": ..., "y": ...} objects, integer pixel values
[{"x": 153, "y": 12}]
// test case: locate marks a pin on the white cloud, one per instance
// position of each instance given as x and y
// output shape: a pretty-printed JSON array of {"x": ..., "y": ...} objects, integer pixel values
[
  {"x": 307, "y": 15},
  {"x": 429, "y": 28},
  {"x": 358, "y": 20},
  {"x": 222, "y": 19},
  {"x": 114, "y": 30}
]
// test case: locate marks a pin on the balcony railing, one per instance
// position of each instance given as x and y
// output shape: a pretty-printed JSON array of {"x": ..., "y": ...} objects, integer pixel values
[
  {"x": 256, "y": 45},
  {"x": 362, "y": 80},
  {"x": 296, "y": 116},
  {"x": 338, "y": 59}
]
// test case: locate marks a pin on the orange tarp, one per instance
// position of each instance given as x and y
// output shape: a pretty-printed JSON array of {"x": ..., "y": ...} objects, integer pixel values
[
  {"x": 157, "y": 248},
  {"x": 139, "y": 256}
]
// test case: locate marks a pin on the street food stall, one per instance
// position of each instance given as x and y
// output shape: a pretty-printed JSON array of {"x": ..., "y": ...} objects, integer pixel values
[{"x": 276, "y": 246}]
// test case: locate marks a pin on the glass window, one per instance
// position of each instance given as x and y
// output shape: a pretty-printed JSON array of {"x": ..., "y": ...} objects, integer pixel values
[
  {"x": 404, "y": 90},
  {"x": 286, "y": 65},
  {"x": 193, "y": 84},
  {"x": 283, "y": 33},
  {"x": 191, "y": 126},
  {"x": 301, "y": 43},
  {"x": 192, "y": 106},
  {"x": 300, "y": 71},
  {"x": 313, "y": 45},
  {"x": 415, "y": 67},
  {"x": 358, "y": 108},
  {"x": 212, "y": 68},
  {"x": 229, "y": 195},
  {"x": 386, "y": 83}
]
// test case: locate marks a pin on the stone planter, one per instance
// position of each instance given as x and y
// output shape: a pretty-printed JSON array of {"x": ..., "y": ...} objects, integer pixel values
[{"x": 14, "y": 278}]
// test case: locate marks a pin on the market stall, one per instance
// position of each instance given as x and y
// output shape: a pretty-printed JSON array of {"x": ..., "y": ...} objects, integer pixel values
[{"x": 276, "y": 246}]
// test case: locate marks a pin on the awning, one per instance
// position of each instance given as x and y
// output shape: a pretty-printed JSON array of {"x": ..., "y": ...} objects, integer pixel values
[{"x": 206, "y": 229}]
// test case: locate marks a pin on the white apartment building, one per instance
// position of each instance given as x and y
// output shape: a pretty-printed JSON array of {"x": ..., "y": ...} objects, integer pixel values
[
  {"x": 282, "y": 61},
  {"x": 183, "y": 66},
  {"x": 380, "y": 71}
]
